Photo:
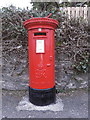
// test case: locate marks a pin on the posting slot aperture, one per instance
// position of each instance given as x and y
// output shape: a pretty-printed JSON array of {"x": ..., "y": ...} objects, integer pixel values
[{"x": 37, "y": 34}]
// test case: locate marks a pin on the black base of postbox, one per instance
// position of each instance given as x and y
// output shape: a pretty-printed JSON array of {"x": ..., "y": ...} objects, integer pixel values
[{"x": 42, "y": 97}]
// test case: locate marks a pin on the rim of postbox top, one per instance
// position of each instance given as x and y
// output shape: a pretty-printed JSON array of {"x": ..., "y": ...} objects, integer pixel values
[{"x": 40, "y": 22}]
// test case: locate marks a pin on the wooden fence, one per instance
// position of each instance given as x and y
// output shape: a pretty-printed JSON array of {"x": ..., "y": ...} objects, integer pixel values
[{"x": 76, "y": 12}]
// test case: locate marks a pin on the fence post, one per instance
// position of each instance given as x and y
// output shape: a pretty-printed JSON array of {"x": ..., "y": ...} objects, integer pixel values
[{"x": 76, "y": 12}]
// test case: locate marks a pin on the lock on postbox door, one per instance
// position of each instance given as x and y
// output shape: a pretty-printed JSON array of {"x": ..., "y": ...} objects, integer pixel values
[{"x": 41, "y": 60}]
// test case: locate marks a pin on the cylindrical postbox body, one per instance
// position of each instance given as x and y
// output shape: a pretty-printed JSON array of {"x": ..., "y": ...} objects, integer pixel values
[{"x": 41, "y": 60}]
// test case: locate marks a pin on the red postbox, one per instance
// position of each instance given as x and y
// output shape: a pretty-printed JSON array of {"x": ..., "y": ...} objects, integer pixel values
[{"x": 41, "y": 60}]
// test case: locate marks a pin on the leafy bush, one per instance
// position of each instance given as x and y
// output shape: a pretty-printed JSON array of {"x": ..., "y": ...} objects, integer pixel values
[{"x": 71, "y": 35}]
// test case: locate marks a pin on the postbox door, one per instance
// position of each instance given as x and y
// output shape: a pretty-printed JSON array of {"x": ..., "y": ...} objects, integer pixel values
[{"x": 41, "y": 59}]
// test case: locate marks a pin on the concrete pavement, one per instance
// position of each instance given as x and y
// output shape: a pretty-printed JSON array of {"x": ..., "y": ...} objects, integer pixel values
[{"x": 73, "y": 104}]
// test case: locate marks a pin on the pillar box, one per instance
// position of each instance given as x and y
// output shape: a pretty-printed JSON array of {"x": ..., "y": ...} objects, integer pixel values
[{"x": 41, "y": 60}]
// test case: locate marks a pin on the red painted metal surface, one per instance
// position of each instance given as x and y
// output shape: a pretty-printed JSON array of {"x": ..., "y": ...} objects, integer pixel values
[{"x": 41, "y": 64}]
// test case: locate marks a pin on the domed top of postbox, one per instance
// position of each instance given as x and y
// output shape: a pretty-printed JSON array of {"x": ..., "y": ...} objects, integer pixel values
[{"x": 40, "y": 23}]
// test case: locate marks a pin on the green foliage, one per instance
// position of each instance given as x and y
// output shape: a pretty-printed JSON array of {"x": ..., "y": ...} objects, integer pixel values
[
  {"x": 82, "y": 65},
  {"x": 71, "y": 34},
  {"x": 12, "y": 23},
  {"x": 72, "y": 40},
  {"x": 75, "y": 4},
  {"x": 43, "y": 9}
]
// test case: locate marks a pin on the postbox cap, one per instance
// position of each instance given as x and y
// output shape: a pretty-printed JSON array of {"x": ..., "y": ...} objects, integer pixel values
[{"x": 41, "y": 22}]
